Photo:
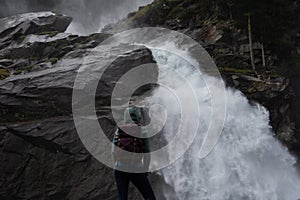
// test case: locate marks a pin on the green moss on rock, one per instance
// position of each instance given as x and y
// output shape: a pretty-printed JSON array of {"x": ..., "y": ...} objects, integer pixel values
[
  {"x": 235, "y": 70},
  {"x": 27, "y": 68},
  {"x": 53, "y": 60},
  {"x": 20, "y": 39},
  {"x": 4, "y": 73},
  {"x": 50, "y": 33}
]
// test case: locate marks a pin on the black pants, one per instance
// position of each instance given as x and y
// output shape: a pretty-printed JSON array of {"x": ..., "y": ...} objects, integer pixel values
[{"x": 140, "y": 181}]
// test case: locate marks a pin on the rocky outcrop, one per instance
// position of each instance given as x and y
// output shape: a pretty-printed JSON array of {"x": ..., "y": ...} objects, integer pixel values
[
  {"x": 35, "y": 23},
  {"x": 42, "y": 156}
]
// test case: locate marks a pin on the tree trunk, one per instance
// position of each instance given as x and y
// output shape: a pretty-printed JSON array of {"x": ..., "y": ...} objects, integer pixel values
[
  {"x": 263, "y": 55},
  {"x": 230, "y": 4},
  {"x": 250, "y": 43}
]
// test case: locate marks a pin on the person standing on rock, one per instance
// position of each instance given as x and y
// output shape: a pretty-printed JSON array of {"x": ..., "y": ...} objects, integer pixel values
[{"x": 134, "y": 160}]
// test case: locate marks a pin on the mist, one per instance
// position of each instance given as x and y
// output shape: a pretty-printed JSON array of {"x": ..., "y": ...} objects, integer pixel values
[{"x": 89, "y": 16}]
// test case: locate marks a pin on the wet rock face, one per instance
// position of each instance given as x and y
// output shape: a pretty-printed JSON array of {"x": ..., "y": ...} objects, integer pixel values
[
  {"x": 276, "y": 95},
  {"x": 42, "y": 156},
  {"x": 42, "y": 21},
  {"x": 29, "y": 23}
]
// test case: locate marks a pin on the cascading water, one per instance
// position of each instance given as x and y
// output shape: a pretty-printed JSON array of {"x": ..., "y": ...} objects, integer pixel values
[{"x": 248, "y": 163}]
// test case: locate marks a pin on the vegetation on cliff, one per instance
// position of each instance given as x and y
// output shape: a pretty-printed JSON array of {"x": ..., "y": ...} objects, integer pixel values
[{"x": 270, "y": 25}]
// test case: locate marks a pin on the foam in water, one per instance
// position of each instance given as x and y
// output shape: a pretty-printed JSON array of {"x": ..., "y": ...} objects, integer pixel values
[{"x": 248, "y": 163}]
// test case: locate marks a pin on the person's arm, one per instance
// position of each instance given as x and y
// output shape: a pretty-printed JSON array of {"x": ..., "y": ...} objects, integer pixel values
[{"x": 113, "y": 145}]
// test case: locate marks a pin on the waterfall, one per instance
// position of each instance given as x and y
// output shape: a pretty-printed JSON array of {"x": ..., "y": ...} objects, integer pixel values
[{"x": 248, "y": 162}]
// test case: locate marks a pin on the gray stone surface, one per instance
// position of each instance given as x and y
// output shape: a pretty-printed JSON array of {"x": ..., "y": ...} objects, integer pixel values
[{"x": 42, "y": 156}]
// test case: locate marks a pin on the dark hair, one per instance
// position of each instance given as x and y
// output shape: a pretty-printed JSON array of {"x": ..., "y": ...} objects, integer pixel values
[{"x": 134, "y": 118}]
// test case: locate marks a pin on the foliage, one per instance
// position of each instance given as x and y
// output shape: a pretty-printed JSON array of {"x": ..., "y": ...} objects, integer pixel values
[
  {"x": 235, "y": 70},
  {"x": 23, "y": 69},
  {"x": 53, "y": 60},
  {"x": 50, "y": 33},
  {"x": 4, "y": 73}
]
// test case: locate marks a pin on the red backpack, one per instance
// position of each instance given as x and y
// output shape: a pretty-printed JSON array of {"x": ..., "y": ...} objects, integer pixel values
[{"x": 128, "y": 142}]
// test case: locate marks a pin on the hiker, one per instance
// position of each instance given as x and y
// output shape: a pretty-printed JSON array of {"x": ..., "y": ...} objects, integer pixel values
[{"x": 132, "y": 120}]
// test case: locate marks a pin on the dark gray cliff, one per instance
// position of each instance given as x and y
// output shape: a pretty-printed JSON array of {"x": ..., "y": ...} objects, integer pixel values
[{"x": 42, "y": 156}]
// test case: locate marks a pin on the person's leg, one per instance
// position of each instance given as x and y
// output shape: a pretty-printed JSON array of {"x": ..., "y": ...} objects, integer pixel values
[
  {"x": 142, "y": 183},
  {"x": 122, "y": 184}
]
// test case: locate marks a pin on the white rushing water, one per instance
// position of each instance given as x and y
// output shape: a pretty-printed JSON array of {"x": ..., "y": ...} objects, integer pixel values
[{"x": 248, "y": 163}]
